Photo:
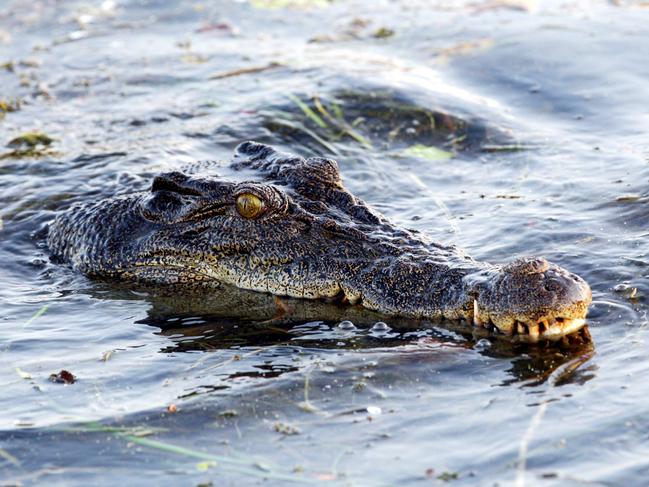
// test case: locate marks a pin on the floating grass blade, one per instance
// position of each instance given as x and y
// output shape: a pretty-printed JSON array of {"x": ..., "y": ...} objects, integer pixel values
[
  {"x": 339, "y": 121},
  {"x": 36, "y": 315},
  {"x": 215, "y": 460},
  {"x": 23, "y": 374},
  {"x": 306, "y": 405},
  {"x": 245, "y": 466},
  {"x": 315, "y": 118},
  {"x": 338, "y": 113},
  {"x": 9, "y": 457},
  {"x": 178, "y": 450},
  {"x": 504, "y": 148},
  {"x": 299, "y": 127}
]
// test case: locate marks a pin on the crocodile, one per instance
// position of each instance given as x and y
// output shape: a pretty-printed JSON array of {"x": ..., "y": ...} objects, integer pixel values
[{"x": 289, "y": 227}]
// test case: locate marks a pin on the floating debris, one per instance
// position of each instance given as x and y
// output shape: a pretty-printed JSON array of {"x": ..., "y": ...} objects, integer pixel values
[
  {"x": 249, "y": 70},
  {"x": 105, "y": 357},
  {"x": 628, "y": 198},
  {"x": 465, "y": 48},
  {"x": 427, "y": 152},
  {"x": 30, "y": 140},
  {"x": 29, "y": 144},
  {"x": 193, "y": 58},
  {"x": 224, "y": 27},
  {"x": 286, "y": 429},
  {"x": 229, "y": 413},
  {"x": 205, "y": 466},
  {"x": 36, "y": 315},
  {"x": 9, "y": 105},
  {"x": 242, "y": 466},
  {"x": 9, "y": 457},
  {"x": 630, "y": 292},
  {"x": 306, "y": 405},
  {"x": 383, "y": 33},
  {"x": 503, "y": 148},
  {"x": 448, "y": 476},
  {"x": 508, "y": 197},
  {"x": 63, "y": 377},
  {"x": 23, "y": 374}
]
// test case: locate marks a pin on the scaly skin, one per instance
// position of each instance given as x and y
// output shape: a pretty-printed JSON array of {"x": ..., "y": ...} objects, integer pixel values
[{"x": 312, "y": 239}]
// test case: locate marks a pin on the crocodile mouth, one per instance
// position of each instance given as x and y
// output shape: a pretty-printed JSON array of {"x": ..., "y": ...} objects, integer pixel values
[{"x": 545, "y": 328}]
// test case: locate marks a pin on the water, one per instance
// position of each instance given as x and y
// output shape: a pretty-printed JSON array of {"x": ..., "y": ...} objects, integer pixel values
[{"x": 130, "y": 88}]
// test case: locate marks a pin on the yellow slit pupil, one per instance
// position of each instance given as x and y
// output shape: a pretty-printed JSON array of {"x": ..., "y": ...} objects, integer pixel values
[{"x": 249, "y": 205}]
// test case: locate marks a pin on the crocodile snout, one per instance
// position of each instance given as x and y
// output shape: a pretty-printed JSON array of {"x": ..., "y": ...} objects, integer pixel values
[{"x": 533, "y": 298}]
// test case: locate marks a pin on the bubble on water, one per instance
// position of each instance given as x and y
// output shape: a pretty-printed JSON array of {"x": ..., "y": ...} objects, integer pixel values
[
  {"x": 380, "y": 326},
  {"x": 482, "y": 344},
  {"x": 346, "y": 325}
]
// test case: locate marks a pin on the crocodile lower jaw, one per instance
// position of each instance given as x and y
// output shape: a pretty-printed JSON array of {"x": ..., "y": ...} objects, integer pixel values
[{"x": 547, "y": 328}]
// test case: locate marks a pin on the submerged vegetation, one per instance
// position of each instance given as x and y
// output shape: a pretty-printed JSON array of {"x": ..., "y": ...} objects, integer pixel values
[
  {"x": 29, "y": 144},
  {"x": 378, "y": 119}
]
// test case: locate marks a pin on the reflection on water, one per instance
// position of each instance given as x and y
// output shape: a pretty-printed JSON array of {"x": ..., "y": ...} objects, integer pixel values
[
  {"x": 216, "y": 322},
  {"x": 507, "y": 131}
]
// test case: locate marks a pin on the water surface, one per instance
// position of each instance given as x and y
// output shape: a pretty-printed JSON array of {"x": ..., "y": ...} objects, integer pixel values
[{"x": 547, "y": 155}]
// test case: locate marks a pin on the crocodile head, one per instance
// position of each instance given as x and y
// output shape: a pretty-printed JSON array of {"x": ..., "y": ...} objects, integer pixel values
[{"x": 290, "y": 228}]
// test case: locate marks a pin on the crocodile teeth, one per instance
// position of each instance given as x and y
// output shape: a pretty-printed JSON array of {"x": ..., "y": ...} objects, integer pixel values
[
  {"x": 521, "y": 328},
  {"x": 533, "y": 331},
  {"x": 476, "y": 317}
]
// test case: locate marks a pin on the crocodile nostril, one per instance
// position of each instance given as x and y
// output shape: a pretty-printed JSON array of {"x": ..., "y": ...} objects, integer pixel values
[{"x": 552, "y": 285}]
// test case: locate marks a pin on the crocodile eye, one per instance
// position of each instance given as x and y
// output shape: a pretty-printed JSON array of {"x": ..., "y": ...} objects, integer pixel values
[{"x": 249, "y": 205}]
